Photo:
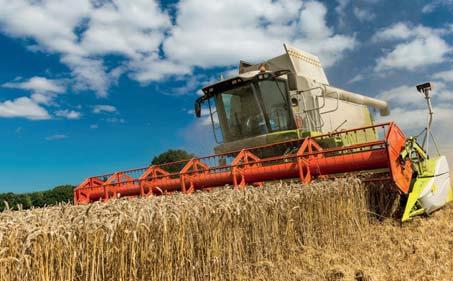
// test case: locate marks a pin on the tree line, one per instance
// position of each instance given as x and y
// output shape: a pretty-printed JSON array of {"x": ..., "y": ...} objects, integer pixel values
[
  {"x": 59, "y": 194},
  {"x": 65, "y": 193}
]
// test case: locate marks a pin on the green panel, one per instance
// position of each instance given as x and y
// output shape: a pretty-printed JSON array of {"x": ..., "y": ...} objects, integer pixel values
[
  {"x": 412, "y": 207},
  {"x": 419, "y": 184}
]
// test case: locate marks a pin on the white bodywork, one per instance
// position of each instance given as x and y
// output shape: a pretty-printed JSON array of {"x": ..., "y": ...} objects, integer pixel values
[
  {"x": 320, "y": 107},
  {"x": 352, "y": 115},
  {"x": 437, "y": 191}
]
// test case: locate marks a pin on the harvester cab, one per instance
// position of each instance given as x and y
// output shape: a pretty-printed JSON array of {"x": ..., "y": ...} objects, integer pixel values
[
  {"x": 286, "y": 97},
  {"x": 281, "y": 120}
]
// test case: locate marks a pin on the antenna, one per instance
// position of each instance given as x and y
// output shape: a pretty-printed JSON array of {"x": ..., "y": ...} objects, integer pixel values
[{"x": 425, "y": 89}]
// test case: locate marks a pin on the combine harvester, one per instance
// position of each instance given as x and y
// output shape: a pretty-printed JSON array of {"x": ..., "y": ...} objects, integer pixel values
[{"x": 281, "y": 120}]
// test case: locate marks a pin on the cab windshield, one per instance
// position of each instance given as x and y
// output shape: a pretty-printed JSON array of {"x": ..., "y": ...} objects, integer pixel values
[{"x": 254, "y": 108}]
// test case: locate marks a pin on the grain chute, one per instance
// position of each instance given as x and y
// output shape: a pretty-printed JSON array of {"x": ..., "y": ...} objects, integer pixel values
[{"x": 281, "y": 120}]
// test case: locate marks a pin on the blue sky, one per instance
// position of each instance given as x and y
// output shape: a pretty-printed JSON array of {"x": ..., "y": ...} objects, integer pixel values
[{"x": 93, "y": 86}]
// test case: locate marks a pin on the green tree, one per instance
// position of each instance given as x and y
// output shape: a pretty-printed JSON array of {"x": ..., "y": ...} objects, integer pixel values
[
  {"x": 172, "y": 155},
  {"x": 37, "y": 199},
  {"x": 59, "y": 194}
]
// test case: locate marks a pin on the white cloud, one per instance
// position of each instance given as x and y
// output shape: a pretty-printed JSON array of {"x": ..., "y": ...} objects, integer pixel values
[
  {"x": 429, "y": 8},
  {"x": 50, "y": 22},
  {"x": 405, "y": 96},
  {"x": 421, "y": 46},
  {"x": 419, "y": 52},
  {"x": 23, "y": 107},
  {"x": 43, "y": 90},
  {"x": 56, "y": 137},
  {"x": 312, "y": 20},
  {"x": 220, "y": 34},
  {"x": 103, "y": 108},
  {"x": 320, "y": 39},
  {"x": 152, "y": 68},
  {"x": 402, "y": 31},
  {"x": 356, "y": 78},
  {"x": 89, "y": 74},
  {"x": 402, "y": 96},
  {"x": 125, "y": 27},
  {"x": 444, "y": 75},
  {"x": 84, "y": 32},
  {"x": 68, "y": 114},
  {"x": 190, "y": 84},
  {"x": 408, "y": 119},
  {"x": 340, "y": 9},
  {"x": 115, "y": 120},
  {"x": 443, "y": 87},
  {"x": 445, "y": 96},
  {"x": 363, "y": 15},
  {"x": 38, "y": 84},
  {"x": 132, "y": 29},
  {"x": 46, "y": 99},
  {"x": 398, "y": 30}
]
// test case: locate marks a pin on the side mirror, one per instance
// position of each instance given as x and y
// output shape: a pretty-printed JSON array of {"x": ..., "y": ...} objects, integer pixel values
[{"x": 198, "y": 109}]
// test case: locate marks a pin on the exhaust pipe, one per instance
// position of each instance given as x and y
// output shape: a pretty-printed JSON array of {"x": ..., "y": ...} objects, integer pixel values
[{"x": 383, "y": 106}]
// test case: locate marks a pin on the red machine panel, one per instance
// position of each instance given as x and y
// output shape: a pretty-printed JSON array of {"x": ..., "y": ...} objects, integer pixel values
[{"x": 308, "y": 158}]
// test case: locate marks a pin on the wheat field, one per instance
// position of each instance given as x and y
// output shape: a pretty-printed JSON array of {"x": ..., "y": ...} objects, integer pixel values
[{"x": 336, "y": 230}]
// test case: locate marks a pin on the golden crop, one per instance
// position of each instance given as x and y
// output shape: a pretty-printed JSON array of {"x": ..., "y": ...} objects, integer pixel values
[{"x": 323, "y": 231}]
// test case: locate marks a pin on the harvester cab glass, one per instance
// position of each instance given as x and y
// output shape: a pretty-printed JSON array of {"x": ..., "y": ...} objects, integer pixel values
[{"x": 257, "y": 107}]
